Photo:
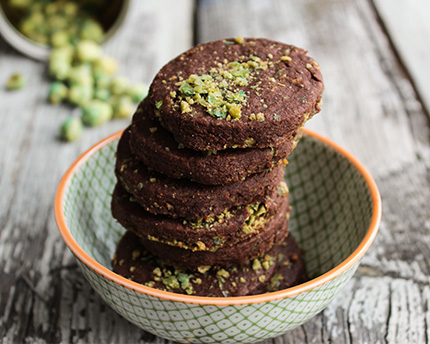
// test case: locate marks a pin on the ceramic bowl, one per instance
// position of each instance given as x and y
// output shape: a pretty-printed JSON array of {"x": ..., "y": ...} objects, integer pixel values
[{"x": 335, "y": 217}]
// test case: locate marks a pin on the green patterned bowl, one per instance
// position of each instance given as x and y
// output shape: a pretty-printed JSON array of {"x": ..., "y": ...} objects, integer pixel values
[{"x": 336, "y": 214}]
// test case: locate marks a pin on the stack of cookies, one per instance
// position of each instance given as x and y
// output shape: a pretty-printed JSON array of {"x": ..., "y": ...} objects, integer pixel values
[{"x": 200, "y": 171}]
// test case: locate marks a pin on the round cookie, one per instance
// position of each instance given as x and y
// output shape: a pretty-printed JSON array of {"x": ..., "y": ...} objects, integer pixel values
[
  {"x": 160, "y": 194},
  {"x": 211, "y": 234},
  {"x": 281, "y": 266},
  {"x": 251, "y": 246},
  {"x": 155, "y": 146},
  {"x": 237, "y": 94}
]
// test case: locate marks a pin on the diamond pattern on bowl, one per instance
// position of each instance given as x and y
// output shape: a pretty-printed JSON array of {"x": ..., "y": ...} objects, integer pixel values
[{"x": 332, "y": 210}]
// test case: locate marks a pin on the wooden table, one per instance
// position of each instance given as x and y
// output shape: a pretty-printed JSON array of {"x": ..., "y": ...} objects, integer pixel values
[{"x": 374, "y": 57}]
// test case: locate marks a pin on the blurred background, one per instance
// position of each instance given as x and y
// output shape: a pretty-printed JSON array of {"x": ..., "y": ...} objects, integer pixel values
[{"x": 374, "y": 59}]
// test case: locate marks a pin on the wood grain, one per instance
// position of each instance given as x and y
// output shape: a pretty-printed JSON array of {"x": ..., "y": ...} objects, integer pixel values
[
  {"x": 43, "y": 296},
  {"x": 372, "y": 108},
  {"x": 375, "y": 105}
]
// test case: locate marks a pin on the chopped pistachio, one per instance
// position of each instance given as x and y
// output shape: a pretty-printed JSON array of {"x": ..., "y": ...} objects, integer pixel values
[
  {"x": 157, "y": 272},
  {"x": 171, "y": 282},
  {"x": 223, "y": 274},
  {"x": 256, "y": 264},
  {"x": 135, "y": 254},
  {"x": 239, "y": 39},
  {"x": 203, "y": 268}
]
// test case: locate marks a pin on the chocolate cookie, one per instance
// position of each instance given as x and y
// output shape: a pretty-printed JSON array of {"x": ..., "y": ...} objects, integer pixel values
[
  {"x": 237, "y": 93},
  {"x": 156, "y": 147},
  {"x": 280, "y": 267},
  {"x": 227, "y": 228},
  {"x": 251, "y": 246},
  {"x": 160, "y": 194}
]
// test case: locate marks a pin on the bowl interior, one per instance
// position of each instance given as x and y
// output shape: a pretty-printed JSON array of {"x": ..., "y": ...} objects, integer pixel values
[{"x": 331, "y": 205}]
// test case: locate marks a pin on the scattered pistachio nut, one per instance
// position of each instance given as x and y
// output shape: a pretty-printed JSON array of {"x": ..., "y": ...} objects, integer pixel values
[
  {"x": 15, "y": 82},
  {"x": 96, "y": 112},
  {"x": 80, "y": 94},
  {"x": 123, "y": 106},
  {"x": 57, "y": 92},
  {"x": 88, "y": 51},
  {"x": 137, "y": 92},
  {"x": 71, "y": 129}
]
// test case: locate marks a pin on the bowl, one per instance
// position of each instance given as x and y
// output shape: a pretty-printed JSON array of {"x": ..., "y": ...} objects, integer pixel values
[
  {"x": 112, "y": 18},
  {"x": 335, "y": 217}
]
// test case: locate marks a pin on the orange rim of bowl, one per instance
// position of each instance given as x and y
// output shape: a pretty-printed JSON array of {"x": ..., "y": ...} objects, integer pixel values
[{"x": 218, "y": 301}]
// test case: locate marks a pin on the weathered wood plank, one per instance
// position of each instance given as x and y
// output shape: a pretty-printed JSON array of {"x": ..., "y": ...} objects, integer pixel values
[
  {"x": 372, "y": 109},
  {"x": 43, "y": 295},
  {"x": 409, "y": 28}
]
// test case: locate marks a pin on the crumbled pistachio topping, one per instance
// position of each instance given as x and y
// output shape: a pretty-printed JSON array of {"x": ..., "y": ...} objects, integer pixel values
[
  {"x": 171, "y": 282},
  {"x": 256, "y": 218},
  {"x": 135, "y": 254},
  {"x": 275, "y": 281},
  {"x": 218, "y": 90},
  {"x": 203, "y": 268},
  {"x": 222, "y": 274},
  {"x": 283, "y": 189},
  {"x": 211, "y": 220},
  {"x": 239, "y": 39},
  {"x": 256, "y": 264}
]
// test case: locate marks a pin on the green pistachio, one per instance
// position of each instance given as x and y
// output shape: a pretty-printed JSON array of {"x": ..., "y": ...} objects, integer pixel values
[
  {"x": 92, "y": 30},
  {"x": 102, "y": 94},
  {"x": 57, "y": 92},
  {"x": 15, "y": 82},
  {"x": 119, "y": 85},
  {"x": 102, "y": 80},
  {"x": 96, "y": 112},
  {"x": 88, "y": 51},
  {"x": 63, "y": 53},
  {"x": 137, "y": 92},
  {"x": 70, "y": 9},
  {"x": 123, "y": 106},
  {"x": 71, "y": 129},
  {"x": 81, "y": 75},
  {"x": 59, "y": 39},
  {"x": 56, "y": 22},
  {"x": 59, "y": 70},
  {"x": 20, "y": 4},
  {"x": 52, "y": 8},
  {"x": 105, "y": 65},
  {"x": 80, "y": 94}
]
